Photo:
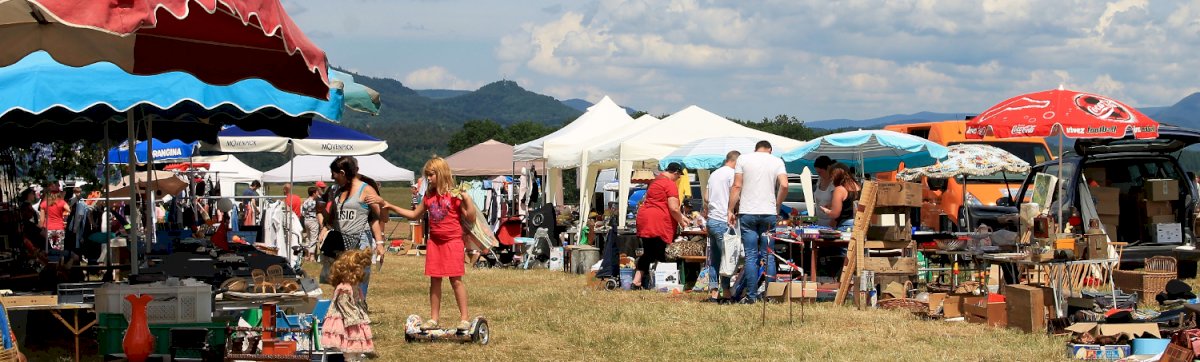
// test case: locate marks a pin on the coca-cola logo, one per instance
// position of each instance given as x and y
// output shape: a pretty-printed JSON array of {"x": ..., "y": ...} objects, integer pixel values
[
  {"x": 1023, "y": 129},
  {"x": 1103, "y": 108}
]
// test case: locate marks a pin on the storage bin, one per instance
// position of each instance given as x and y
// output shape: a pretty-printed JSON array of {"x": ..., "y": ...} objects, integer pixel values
[
  {"x": 111, "y": 333},
  {"x": 171, "y": 304}
]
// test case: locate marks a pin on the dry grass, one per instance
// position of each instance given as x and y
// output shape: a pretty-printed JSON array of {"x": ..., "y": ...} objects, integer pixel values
[{"x": 544, "y": 315}]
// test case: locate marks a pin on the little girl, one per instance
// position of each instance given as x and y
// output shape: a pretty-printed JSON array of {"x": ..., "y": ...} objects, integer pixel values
[
  {"x": 448, "y": 210},
  {"x": 347, "y": 327}
]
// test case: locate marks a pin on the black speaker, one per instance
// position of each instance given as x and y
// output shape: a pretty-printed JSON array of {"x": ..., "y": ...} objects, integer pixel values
[{"x": 543, "y": 217}]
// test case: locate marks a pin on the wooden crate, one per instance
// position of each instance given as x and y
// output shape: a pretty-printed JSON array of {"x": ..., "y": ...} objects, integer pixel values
[
  {"x": 890, "y": 264},
  {"x": 27, "y": 300},
  {"x": 1027, "y": 307}
]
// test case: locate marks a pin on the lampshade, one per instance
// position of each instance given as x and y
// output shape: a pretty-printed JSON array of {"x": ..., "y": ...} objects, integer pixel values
[{"x": 642, "y": 176}]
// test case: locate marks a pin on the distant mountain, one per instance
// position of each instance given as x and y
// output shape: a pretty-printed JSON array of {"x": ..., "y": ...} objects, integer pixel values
[
  {"x": 578, "y": 104},
  {"x": 441, "y": 93},
  {"x": 506, "y": 102},
  {"x": 885, "y": 120},
  {"x": 1183, "y": 113},
  {"x": 1152, "y": 111},
  {"x": 582, "y": 105}
]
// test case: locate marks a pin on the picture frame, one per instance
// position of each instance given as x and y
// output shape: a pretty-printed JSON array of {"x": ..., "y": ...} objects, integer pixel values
[{"x": 1044, "y": 186}]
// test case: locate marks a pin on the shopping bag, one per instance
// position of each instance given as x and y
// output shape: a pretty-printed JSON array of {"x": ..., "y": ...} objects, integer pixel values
[
  {"x": 704, "y": 279},
  {"x": 733, "y": 252}
]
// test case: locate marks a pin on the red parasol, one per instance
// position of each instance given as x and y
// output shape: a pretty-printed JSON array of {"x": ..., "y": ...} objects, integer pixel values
[
  {"x": 218, "y": 41},
  {"x": 1062, "y": 112}
]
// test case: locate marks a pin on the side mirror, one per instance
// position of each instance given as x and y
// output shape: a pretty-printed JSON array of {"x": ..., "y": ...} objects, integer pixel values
[
  {"x": 1005, "y": 201},
  {"x": 937, "y": 184}
]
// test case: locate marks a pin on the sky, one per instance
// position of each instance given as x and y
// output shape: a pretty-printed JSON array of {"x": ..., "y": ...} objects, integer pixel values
[{"x": 815, "y": 60}]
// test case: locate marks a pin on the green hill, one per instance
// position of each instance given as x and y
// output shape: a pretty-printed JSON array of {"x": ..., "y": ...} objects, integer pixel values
[{"x": 417, "y": 127}]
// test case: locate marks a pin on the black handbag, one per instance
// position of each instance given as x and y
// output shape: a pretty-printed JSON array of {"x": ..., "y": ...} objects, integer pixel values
[{"x": 334, "y": 243}]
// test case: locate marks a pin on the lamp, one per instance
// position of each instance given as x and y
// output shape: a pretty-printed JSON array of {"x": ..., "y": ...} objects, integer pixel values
[{"x": 642, "y": 175}]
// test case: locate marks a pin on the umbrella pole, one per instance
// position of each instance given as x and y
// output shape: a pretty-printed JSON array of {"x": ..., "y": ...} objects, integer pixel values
[
  {"x": 107, "y": 206},
  {"x": 134, "y": 215},
  {"x": 1058, "y": 185},
  {"x": 151, "y": 210},
  {"x": 965, "y": 210}
]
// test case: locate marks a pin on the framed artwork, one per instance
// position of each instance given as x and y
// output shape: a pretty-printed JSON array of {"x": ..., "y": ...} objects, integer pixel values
[{"x": 1044, "y": 185}]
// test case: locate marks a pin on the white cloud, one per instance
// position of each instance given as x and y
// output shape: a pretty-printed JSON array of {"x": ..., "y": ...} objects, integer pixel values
[{"x": 437, "y": 77}]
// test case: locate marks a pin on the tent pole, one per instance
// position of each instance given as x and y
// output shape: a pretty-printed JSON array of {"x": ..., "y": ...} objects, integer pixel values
[
  {"x": 104, "y": 215},
  {"x": 151, "y": 211}
]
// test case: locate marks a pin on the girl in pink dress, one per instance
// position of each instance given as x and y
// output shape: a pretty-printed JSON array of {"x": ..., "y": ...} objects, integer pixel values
[
  {"x": 445, "y": 257},
  {"x": 346, "y": 327}
]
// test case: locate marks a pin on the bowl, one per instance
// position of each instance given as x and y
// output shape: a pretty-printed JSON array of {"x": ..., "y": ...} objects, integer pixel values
[{"x": 951, "y": 244}]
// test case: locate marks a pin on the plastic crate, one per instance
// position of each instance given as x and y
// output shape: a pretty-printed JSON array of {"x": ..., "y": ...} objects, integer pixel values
[
  {"x": 171, "y": 304},
  {"x": 111, "y": 333}
]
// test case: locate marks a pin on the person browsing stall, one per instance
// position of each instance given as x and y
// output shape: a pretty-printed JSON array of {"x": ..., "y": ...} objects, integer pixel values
[
  {"x": 716, "y": 212},
  {"x": 657, "y": 219},
  {"x": 447, "y": 209},
  {"x": 840, "y": 209},
  {"x": 759, "y": 188}
]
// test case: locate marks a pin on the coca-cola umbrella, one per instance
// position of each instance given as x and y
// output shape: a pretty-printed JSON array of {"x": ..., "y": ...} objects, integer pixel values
[
  {"x": 1065, "y": 113},
  {"x": 218, "y": 41}
]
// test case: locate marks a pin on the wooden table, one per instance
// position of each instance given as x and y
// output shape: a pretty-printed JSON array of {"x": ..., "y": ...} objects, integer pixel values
[
  {"x": 56, "y": 310},
  {"x": 1064, "y": 276}
]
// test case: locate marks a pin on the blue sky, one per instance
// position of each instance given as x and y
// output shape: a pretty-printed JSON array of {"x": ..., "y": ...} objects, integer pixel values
[{"x": 753, "y": 59}]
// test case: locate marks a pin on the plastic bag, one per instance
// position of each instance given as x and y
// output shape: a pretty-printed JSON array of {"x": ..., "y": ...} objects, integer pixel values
[
  {"x": 704, "y": 279},
  {"x": 734, "y": 251}
]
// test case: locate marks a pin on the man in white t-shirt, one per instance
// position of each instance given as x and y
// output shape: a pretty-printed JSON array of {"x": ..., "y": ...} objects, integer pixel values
[
  {"x": 716, "y": 206},
  {"x": 759, "y": 187}
]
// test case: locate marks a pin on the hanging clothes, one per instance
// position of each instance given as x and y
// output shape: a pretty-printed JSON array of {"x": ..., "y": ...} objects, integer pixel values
[
  {"x": 685, "y": 186},
  {"x": 282, "y": 230}
]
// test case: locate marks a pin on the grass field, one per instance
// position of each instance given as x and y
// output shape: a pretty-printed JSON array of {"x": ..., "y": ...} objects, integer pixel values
[{"x": 544, "y": 315}]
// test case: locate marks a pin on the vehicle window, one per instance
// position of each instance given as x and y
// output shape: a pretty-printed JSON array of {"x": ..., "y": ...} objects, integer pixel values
[
  {"x": 1068, "y": 171},
  {"x": 795, "y": 193}
]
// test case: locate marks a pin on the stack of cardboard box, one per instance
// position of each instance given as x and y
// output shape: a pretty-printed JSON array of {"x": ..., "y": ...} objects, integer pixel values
[{"x": 1162, "y": 226}]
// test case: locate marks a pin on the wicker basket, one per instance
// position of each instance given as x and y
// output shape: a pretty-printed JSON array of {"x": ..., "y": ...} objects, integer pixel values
[
  {"x": 9, "y": 355},
  {"x": 1148, "y": 283},
  {"x": 951, "y": 244},
  {"x": 912, "y": 305}
]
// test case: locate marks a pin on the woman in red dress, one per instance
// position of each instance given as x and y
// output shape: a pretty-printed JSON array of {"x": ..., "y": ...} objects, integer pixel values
[{"x": 657, "y": 219}]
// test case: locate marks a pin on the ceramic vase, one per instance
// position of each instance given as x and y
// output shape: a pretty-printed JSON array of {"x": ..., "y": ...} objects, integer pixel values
[{"x": 138, "y": 343}]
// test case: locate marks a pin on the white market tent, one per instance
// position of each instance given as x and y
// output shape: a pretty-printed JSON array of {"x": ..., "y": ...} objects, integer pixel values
[
  {"x": 316, "y": 168},
  {"x": 657, "y": 141},
  {"x": 562, "y": 148},
  {"x": 589, "y": 171},
  {"x": 230, "y": 170}
]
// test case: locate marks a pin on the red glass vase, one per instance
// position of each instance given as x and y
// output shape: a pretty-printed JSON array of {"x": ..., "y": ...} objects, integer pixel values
[{"x": 138, "y": 343}]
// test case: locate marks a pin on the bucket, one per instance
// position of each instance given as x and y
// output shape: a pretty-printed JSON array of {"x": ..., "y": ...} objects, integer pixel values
[
  {"x": 627, "y": 278},
  {"x": 582, "y": 259},
  {"x": 1150, "y": 346}
]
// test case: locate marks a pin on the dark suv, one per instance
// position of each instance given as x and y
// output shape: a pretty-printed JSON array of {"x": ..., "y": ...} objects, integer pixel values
[{"x": 1126, "y": 164}]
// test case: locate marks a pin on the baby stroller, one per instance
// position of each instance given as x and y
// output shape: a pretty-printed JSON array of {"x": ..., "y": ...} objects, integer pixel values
[{"x": 504, "y": 254}]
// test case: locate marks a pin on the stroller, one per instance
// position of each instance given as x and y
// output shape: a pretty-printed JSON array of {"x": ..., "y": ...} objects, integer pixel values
[{"x": 504, "y": 254}]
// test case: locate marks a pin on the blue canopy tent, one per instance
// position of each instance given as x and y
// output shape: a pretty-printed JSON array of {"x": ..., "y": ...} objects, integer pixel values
[
  {"x": 42, "y": 100},
  {"x": 868, "y": 151},
  {"x": 172, "y": 150}
]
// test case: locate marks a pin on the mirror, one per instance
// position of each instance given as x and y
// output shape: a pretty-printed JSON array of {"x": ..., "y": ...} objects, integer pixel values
[
  {"x": 937, "y": 184},
  {"x": 1004, "y": 201}
]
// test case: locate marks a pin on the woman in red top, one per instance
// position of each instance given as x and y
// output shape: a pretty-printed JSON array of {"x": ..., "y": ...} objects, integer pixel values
[
  {"x": 657, "y": 218},
  {"x": 54, "y": 210}
]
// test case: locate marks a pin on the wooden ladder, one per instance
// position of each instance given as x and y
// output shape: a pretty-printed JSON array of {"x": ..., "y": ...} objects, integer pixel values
[{"x": 862, "y": 220}]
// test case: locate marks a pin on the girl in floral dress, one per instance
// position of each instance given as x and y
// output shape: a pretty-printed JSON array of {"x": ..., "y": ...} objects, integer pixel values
[{"x": 346, "y": 327}]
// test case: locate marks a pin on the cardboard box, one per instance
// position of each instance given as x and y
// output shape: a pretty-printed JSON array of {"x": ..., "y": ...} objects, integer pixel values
[
  {"x": 952, "y": 305},
  {"x": 1154, "y": 208},
  {"x": 1098, "y": 174},
  {"x": 1131, "y": 330},
  {"x": 935, "y": 302},
  {"x": 1108, "y": 200},
  {"x": 891, "y": 265},
  {"x": 898, "y": 194},
  {"x": 1160, "y": 219},
  {"x": 1098, "y": 352},
  {"x": 978, "y": 310},
  {"x": 889, "y": 233},
  {"x": 666, "y": 274},
  {"x": 1026, "y": 307},
  {"x": 1162, "y": 189},
  {"x": 799, "y": 289},
  {"x": 1171, "y": 233}
]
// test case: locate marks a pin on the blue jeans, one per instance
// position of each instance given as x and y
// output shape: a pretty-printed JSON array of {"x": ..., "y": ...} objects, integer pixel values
[
  {"x": 716, "y": 249},
  {"x": 366, "y": 242},
  {"x": 753, "y": 226}
]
